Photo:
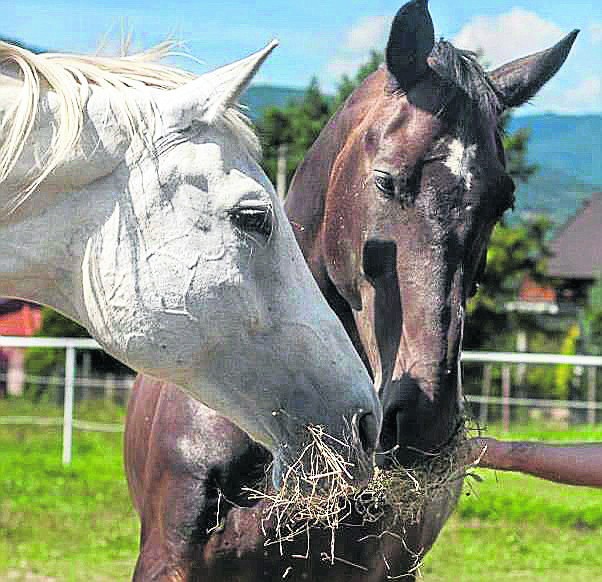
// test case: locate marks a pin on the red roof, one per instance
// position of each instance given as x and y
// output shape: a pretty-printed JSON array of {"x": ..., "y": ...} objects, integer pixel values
[
  {"x": 531, "y": 292},
  {"x": 24, "y": 320}
]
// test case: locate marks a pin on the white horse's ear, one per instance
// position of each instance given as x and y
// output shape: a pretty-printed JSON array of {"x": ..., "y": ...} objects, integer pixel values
[{"x": 205, "y": 99}]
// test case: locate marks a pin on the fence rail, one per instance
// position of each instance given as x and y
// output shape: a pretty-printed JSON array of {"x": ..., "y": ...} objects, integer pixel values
[
  {"x": 526, "y": 358},
  {"x": 535, "y": 402},
  {"x": 78, "y": 343},
  {"x": 506, "y": 401},
  {"x": 70, "y": 345}
]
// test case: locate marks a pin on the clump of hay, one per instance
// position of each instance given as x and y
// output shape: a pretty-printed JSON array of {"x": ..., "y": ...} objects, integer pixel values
[
  {"x": 398, "y": 495},
  {"x": 317, "y": 489}
]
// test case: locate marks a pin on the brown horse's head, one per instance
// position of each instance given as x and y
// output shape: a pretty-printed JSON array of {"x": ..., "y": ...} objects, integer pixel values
[{"x": 413, "y": 180}]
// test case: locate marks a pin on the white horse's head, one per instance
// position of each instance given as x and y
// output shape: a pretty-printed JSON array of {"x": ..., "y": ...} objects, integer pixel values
[{"x": 134, "y": 203}]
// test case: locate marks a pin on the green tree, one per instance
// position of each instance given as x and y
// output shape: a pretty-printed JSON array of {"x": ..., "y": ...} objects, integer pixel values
[
  {"x": 564, "y": 372},
  {"x": 348, "y": 85},
  {"x": 515, "y": 251},
  {"x": 593, "y": 320},
  {"x": 46, "y": 361},
  {"x": 515, "y": 146},
  {"x": 274, "y": 129},
  {"x": 297, "y": 125}
]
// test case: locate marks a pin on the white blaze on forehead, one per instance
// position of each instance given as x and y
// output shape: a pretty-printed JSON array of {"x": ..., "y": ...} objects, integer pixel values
[{"x": 460, "y": 159}]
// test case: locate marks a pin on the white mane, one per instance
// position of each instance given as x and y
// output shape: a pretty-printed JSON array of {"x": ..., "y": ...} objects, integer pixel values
[{"x": 70, "y": 78}]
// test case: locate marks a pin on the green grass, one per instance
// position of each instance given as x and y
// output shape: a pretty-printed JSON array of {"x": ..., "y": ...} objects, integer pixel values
[
  {"x": 551, "y": 432},
  {"x": 518, "y": 527},
  {"x": 515, "y": 527},
  {"x": 483, "y": 551},
  {"x": 72, "y": 523},
  {"x": 77, "y": 524}
]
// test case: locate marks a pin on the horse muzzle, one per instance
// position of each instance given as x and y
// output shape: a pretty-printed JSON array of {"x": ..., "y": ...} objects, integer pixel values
[{"x": 416, "y": 423}]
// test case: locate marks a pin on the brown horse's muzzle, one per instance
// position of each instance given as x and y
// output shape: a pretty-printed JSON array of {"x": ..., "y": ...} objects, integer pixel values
[{"x": 414, "y": 425}]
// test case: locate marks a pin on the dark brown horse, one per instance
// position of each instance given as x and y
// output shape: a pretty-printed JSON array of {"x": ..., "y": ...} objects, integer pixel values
[{"x": 393, "y": 208}]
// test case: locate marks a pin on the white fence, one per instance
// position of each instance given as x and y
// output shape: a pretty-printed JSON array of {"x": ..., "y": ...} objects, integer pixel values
[
  {"x": 71, "y": 345},
  {"x": 589, "y": 363}
]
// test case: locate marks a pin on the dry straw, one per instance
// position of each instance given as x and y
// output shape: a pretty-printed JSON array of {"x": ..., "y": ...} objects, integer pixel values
[
  {"x": 399, "y": 495},
  {"x": 318, "y": 490}
]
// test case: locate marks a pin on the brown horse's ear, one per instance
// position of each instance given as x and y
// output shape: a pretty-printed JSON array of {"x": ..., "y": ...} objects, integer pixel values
[
  {"x": 411, "y": 41},
  {"x": 520, "y": 80}
]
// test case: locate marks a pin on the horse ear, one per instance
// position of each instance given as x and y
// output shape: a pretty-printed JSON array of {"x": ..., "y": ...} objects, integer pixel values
[
  {"x": 206, "y": 98},
  {"x": 520, "y": 80},
  {"x": 411, "y": 41}
]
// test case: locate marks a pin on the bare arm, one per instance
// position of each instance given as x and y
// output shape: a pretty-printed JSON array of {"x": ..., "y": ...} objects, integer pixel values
[{"x": 572, "y": 464}]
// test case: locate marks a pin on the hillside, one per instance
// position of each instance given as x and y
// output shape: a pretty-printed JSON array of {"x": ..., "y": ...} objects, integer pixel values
[
  {"x": 566, "y": 149},
  {"x": 258, "y": 97},
  {"x": 568, "y": 143}
]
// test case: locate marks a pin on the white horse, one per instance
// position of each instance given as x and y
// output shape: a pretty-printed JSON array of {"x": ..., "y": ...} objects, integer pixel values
[{"x": 132, "y": 201}]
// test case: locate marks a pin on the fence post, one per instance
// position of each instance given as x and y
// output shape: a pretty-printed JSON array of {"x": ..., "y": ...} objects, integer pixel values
[
  {"x": 68, "y": 404},
  {"x": 85, "y": 374},
  {"x": 484, "y": 408},
  {"x": 591, "y": 395},
  {"x": 521, "y": 370},
  {"x": 506, "y": 398},
  {"x": 281, "y": 171},
  {"x": 109, "y": 388}
]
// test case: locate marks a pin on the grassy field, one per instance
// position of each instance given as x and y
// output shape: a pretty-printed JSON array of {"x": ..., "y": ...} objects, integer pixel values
[
  {"x": 514, "y": 527},
  {"x": 65, "y": 524},
  {"x": 77, "y": 524}
]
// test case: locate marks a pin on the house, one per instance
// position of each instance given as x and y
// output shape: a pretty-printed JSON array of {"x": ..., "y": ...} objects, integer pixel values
[
  {"x": 17, "y": 318},
  {"x": 535, "y": 298},
  {"x": 577, "y": 253},
  {"x": 575, "y": 265}
]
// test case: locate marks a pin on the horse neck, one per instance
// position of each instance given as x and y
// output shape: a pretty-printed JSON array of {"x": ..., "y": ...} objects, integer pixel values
[
  {"x": 45, "y": 240},
  {"x": 45, "y": 237}
]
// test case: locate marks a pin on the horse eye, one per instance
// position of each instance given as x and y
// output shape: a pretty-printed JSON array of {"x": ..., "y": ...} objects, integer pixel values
[
  {"x": 385, "y": 183},
  {"x": 474, "y": 289},
  {"x": 257, "y": 220}
]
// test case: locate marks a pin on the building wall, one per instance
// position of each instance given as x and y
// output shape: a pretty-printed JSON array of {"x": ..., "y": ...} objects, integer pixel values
[{"x": 23, "y": 319}]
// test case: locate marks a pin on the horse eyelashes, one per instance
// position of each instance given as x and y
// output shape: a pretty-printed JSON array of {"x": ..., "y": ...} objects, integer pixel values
[
  {"x": 401, "y": 188},
  {"x": 385, "y": 183},
  {"x": 257, "y": 220}
]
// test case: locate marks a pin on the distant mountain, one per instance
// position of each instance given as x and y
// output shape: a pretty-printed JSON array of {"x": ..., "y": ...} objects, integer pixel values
[
  {"x": 571, "y": 144},
  {"x": 258, "y": 97},
  {"x": 568, "y": 153},
  {"x": 567, "y": 149}
]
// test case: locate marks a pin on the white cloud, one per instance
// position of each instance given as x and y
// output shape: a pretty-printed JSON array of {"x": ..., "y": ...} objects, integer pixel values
[
  {"x": 596, "y": 32},
  {"x": 344, "y": 65},
  {"x": 369, "y": 33},
  {"x": 586, "y": 96},
  {"x": 508, "y": 36}
]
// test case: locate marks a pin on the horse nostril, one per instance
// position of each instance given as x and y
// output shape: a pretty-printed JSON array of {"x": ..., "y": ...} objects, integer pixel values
[
  {"x": 368, "y": 432},
  {"x": 392, "y": 428}
]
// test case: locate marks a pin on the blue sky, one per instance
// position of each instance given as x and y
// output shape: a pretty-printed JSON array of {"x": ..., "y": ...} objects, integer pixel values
[{"x": 325, "y": 38}]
